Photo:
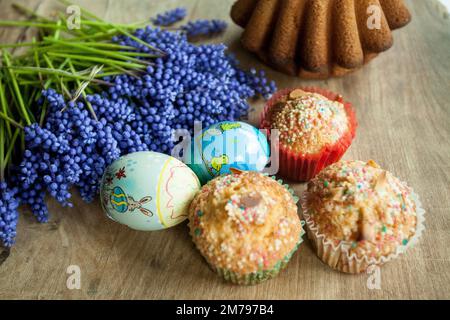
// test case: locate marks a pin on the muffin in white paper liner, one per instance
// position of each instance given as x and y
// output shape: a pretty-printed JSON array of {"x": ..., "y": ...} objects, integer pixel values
[{"x": 336, "y": 254}]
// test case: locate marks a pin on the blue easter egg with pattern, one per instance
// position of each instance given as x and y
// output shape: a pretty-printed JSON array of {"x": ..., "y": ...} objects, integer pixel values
[
  {"x": 119, "y": 200},
  {"x": 224, "y": 146}
]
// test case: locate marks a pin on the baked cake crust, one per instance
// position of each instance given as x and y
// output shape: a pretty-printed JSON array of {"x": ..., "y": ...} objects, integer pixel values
[
  {"x": 361, "y": 204},
  {"x": 317, "y": 38},
  {"x": 244, "y": 222}
]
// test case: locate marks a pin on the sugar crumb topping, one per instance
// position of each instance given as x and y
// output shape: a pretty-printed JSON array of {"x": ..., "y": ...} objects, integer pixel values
[
  {"x": 309, "y": 121},
  {"x": 362, "y": 204},
  {"x": 244, "y": 222}
]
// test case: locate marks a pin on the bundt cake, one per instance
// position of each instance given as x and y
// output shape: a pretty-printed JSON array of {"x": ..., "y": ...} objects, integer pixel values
[{"x": 318, "y": 38}]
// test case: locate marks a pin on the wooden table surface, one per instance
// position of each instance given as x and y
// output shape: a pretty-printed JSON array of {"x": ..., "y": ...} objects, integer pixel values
[{"x": 403, "y": 108}]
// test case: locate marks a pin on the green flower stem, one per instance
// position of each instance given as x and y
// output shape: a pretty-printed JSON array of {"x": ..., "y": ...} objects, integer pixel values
[
  {"x": 67, "y": 45},
  {"x": 139, "y": 54},
  {"x": 33, "y": 70},
  {"x": 88, "y": 68},
  {"x": 36, "y": 91},
  {"x": 99, "y": 60},
  {"x": 108, "y": 25},
  {"x": 11, "y": 121},
  {"x": 25, "y": 91},
  {"x": 2, "y": 136},
  {"x": 16, "y": 89},
  {"x": 43, "y": 114},
  {"x": 58, "y": 78},
  {"x": 29, "y": 82},
  {"x": 90, "y": 37},
  {"x": 36, "y": 60},
  {"x": 4, "y": 105},
  {"x": 17, "y": 45},
  {"x": 98, "y": 52},
  {"x": 22, "y": 141},
  {"x": 2, "y": 151},
  {"x": 84, "y": 64},
  {"x": 116, "y": 56},
  {"x": 12, "y": 23},
  {"x": 12, "y": 96},
  {"x": 57, "y": 31},
  {"x": 130, "y": 73},
  {"x": 12, "y": 144},
  {"x": 89, "y": 105},
  {"x": 105, "y": 45},
  {"x": 46, "y": 86},
  {"x": 111, "y": 73},
  {"x": 63, "y": 65},
  {"x": 14, "y": 100},
  {"x": 126, "y": 33}
]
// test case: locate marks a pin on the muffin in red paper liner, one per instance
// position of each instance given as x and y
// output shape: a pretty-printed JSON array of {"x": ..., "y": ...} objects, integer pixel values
[
  {"x": 316, "y": 128},
  {"x": 359, "y": 215}
]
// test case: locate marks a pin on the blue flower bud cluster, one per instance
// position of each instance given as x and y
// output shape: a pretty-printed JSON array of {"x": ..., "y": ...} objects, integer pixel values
[
  {"x": 203, "y": 28},
  {"x": 169, "y": 17},
  {"x": 8, "y": 214},
  {"x": 72, "y": 149}
]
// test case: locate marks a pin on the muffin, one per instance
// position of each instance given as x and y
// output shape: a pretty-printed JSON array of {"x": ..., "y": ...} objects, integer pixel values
[
  {"x": 358, "y": 215},
  {"x": 315, "y": 128},
  {"x": 246, "y": 226}
]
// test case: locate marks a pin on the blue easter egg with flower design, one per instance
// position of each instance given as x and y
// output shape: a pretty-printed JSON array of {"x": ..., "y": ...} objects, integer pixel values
[{"x": 227, "y": 145}]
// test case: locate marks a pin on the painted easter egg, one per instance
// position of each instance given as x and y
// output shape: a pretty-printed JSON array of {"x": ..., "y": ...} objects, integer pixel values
[
  {"x": 148, "y": 190},
  {"x": 224, "y": 146},
  {"x": 119, "y": 200}
]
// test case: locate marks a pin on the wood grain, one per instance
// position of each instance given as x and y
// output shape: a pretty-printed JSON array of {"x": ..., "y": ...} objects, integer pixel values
[{"x": 403, "y": 109}]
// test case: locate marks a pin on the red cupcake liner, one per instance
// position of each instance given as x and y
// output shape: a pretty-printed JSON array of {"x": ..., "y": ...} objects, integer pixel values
[{"x": 303, "y": 167}]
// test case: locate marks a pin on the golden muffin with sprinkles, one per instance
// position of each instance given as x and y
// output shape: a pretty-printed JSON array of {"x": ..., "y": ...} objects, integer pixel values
[
  {"x": 315, "y": 126},
  {"x": 358, "y": 215},
  {"x": 246, "y": 226}
]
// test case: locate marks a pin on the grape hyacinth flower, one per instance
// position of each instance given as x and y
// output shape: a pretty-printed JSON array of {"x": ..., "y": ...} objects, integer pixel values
[
  {"x": 202, "y": 28},
  {"x": 8, "y": 214},
  {"x": 170, "y": 17},
  {"x": 72, "y": 149}
]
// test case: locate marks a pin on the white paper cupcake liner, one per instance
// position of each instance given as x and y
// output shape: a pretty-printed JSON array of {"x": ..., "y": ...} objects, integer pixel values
[{"x": 337, "y": 255}]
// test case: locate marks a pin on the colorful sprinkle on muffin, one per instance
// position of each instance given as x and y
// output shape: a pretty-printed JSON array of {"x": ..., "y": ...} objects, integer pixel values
[
  {"x": 308, "y": 121},
  {"x": 362, "y": 210},
  {"x": 315, "y": 129},
  {"x": 246, "y": 226}
]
